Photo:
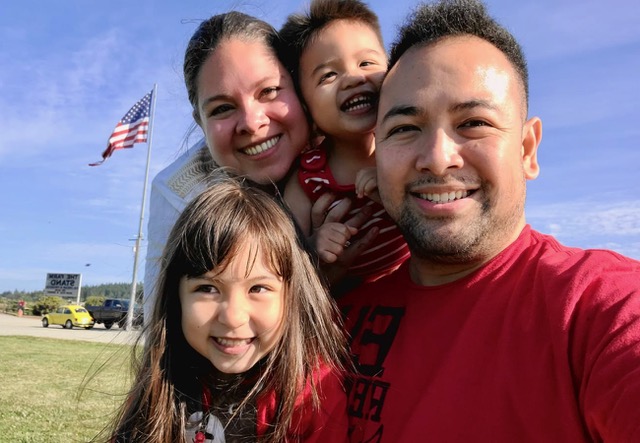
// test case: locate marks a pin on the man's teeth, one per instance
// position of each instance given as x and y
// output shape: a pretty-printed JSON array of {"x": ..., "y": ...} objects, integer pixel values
[
  {"x": 257, "y": 149},
  {"x": 444, "y": 197},
  {"x": 231, "y": 342}
]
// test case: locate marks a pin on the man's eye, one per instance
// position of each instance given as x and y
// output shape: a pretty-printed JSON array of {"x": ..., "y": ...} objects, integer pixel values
[
  {"x": 474, "y": 124},
  {"x": 401, "y": 129}
]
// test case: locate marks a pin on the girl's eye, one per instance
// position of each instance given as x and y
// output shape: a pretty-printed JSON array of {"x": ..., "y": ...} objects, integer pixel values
[
  {"x": 367, "y": 63},
  {"x": 221, "y": 109},
  {"x": 207, "y": 289},
  {"x": 258, "y": 289},
  {"x": 270, "y": 93},
  {"x": 326, "y": 77}
]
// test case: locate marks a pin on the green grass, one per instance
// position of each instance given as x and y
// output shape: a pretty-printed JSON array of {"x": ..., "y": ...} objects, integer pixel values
[{"x": 59, "y": 390}]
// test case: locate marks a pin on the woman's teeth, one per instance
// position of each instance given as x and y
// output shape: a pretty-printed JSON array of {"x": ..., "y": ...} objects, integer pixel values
[{"x": 257, "y": 149}]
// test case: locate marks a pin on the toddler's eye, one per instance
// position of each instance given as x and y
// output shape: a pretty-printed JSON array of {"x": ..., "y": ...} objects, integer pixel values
[{"x": 327, "y": 76}]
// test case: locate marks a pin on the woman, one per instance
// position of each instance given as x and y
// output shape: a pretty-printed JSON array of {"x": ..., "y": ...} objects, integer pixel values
[{"x": 244, "y": 101}]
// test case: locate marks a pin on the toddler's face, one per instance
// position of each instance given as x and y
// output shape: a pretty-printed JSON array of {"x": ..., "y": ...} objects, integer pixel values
[
  {"x": 340, "y": 76},
  {"x": 234, "y": 318}
]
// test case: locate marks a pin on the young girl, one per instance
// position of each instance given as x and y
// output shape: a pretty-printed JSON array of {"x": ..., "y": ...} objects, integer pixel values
[
  {"x": 337, "y": 60},
  {"x": 244, "y": 343}
]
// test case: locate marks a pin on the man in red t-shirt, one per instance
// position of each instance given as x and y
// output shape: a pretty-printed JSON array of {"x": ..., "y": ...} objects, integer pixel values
[{"x": 491, "y": 332}]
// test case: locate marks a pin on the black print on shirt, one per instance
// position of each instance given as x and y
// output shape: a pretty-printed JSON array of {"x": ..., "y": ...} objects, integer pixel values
[
  {"x": 372, "y": 335},
  {"x": 372, "y": 330},
  {"x": 366, "y": 398}
]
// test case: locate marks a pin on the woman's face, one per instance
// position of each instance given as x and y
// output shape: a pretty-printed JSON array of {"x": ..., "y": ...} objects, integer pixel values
[{"x": 249, "y": 111}]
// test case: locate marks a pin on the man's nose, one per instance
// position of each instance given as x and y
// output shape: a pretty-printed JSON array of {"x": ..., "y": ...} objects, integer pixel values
[{"x": 439, "y": 153}]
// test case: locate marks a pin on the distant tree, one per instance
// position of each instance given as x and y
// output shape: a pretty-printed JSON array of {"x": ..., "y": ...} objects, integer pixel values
[
  {"x": 94, "y": 300},
  {"x": 46, "y": 304},
  {"x": 107, "y": 290}
]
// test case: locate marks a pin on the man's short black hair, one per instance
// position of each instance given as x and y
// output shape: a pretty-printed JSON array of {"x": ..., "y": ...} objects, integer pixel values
[{"x": 430, "y": 23}]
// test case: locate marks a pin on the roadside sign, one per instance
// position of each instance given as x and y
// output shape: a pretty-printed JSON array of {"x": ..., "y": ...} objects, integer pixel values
[{"x": 63, "y": 285}]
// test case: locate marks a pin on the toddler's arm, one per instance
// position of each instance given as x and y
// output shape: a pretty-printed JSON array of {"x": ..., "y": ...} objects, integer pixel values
[
  {"x": 298, "y": 203},
  {"x": 331, "y": 236},
  {"x": 367, "y": 184}
]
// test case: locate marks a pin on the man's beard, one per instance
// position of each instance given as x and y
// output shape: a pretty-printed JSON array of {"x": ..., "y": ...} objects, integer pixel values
[
  {"x": 426, "y": 242},
  {"x": 447, "y": 241}
]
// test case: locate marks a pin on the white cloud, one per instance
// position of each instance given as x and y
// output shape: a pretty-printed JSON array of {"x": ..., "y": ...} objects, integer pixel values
[{"x": 591, "y": 223}]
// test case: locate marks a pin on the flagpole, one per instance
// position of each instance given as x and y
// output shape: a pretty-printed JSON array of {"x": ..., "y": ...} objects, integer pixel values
[{"x": 134, "y": 283}]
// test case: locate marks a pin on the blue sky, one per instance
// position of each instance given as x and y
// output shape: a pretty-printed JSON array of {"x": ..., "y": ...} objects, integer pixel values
[{"x": 72, "y": 68}]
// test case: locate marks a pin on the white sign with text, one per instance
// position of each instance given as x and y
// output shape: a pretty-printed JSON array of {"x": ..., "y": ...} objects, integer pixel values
[{"x": 63, "y": 285}]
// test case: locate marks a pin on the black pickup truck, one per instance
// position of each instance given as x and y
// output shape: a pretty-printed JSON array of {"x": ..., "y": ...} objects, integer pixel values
[{"x": 113, "y": 311}]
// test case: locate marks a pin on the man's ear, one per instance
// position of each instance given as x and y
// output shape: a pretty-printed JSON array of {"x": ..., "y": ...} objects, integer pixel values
[{"x": 531, "y": 137}]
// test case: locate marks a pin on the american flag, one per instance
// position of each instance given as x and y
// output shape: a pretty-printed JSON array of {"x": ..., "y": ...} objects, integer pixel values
[{"x": 132, "y": 128}]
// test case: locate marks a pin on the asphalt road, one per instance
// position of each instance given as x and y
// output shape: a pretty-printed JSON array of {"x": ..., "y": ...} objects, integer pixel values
[{"x": 32, "y": 326}]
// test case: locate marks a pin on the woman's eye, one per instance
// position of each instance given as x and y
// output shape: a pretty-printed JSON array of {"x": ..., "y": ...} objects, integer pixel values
[
  {"x": 221, "y": 109},
  {"x": 270, "y": 93}
]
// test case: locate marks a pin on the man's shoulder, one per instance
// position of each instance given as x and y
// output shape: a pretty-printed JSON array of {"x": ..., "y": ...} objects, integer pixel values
[
  {"x": 599, "y": 273},
  {"x": 551, "y": 253}
]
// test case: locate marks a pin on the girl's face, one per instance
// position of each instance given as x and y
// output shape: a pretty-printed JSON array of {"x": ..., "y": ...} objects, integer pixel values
[
  {"x": 234, "y": 318},
  {"x": 249, "y": 111}
]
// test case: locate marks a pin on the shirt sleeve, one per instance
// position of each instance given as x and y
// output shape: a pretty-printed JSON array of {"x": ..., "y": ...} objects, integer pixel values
[
  {"x": 606, "y": 350},
  {"x": 162, "y": 216},
  {"x": 171, "y": 190}
]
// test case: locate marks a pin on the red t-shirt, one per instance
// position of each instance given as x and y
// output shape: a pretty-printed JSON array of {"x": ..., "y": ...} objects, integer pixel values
[{"x": 542, "y": 344}]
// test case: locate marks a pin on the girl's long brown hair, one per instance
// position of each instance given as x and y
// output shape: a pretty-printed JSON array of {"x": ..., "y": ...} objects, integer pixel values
[{"x": 205, "y": 238}]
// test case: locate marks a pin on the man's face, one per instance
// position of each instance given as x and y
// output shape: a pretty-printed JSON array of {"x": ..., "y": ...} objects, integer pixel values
[{"x": 453, "y": 150}]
